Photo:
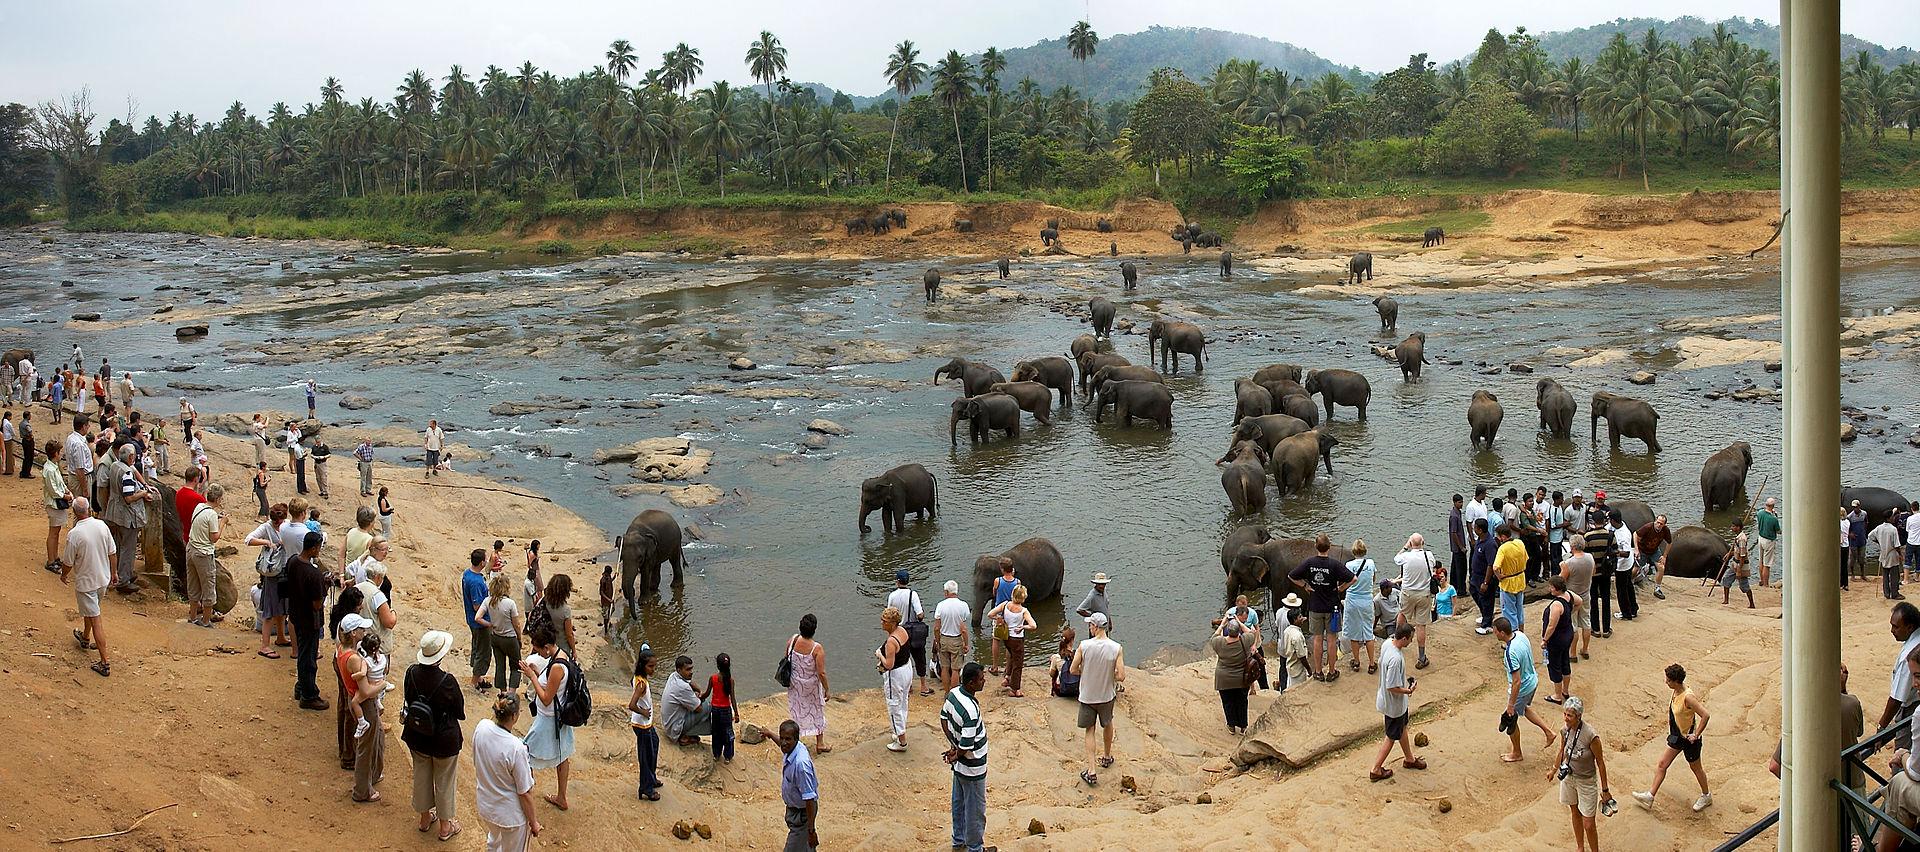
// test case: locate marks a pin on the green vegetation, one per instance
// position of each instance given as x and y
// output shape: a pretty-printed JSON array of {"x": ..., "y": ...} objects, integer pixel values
[
  {"x": 482, "y": 159},
  {"x": 1455, "y": 222}
]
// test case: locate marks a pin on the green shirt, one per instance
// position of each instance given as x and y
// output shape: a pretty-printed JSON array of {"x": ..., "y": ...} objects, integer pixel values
[{"x": 1767, "y": 525}]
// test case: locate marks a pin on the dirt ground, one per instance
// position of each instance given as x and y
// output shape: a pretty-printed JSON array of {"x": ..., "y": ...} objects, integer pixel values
[{"x": 191, "y": 716}]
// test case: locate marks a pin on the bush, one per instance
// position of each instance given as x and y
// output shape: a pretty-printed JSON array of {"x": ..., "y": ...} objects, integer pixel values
[
  {"x": 1266, "y": 165},
  {"x": 554, "y": 247},
  {"x": 1491, "y": 133}
]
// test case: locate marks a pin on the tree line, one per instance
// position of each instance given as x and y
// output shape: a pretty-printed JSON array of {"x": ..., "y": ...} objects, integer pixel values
[{"x": 952, "y": 125}]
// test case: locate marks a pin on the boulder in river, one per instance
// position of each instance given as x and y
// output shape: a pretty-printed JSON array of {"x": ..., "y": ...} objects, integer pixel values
[
  {"x": 186, "y": 331},
  {"x": 86, "y": 317},
  {"x": 355, "y": 402},
  {"x": 741, "y": 363},
  {"x": 1848, "y": 432},
  {"x": 516, "y": 409},
  {"x": 1519, "y": 368},
  {"x": 828, "y": 427},
  {"x": 1641, "y": 378},
  {"x": 163, "y": 309}
]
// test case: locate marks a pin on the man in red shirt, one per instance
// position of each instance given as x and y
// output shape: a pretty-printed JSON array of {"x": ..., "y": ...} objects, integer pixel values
[
  {"x": 185, "y": 499},
  {"x": 1651, "y": 541}
]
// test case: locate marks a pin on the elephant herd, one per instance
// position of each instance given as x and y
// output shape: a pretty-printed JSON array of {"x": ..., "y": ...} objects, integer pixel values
[{"x": 878, "y": 223}]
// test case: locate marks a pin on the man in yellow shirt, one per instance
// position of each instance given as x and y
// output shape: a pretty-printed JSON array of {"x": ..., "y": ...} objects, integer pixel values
[{"x": 1510, "y": 566}]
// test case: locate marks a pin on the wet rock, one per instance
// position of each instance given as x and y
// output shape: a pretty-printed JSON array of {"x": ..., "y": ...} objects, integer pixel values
[
  {"x": 516, "y": 409},
  {"x": 1772, "y": 366},
  {"x": 640, "y": 404},
  {"x": 163, "y": 309},
  {"x": 1914, "y": 439},
  {"x": 828, "y": 427},
  {"x": 180, "y": 368},
  {"x": 186, "y": 331},
  {"x": 752, "y": 734},
  {"x": 1491, "y": 371},
  {"x": 683, "y": 829},
  {"x": 1848, "y": 432},
  {"x": 1035, "y": 826},
  {"x": 1124, "y": 325},
  {"x": 87, "y": 317},
  {"x": 286, "y": 266},
  {"x": 1519, "y": 368},
  {"x": 406, "y": 267},
  {"x": 194, "y": 387},
  {"x": 642, "y": 447},
  {"x": 1641, "y": 378},
  {"x": 129, "y": 298},
  {"x": 355, "y": 402},
  {"x": 345, "y": 258},
  {"x": 688, "y": 496},
  {"x": 815, "y": 441},
  {"x": 741, "y": 363}
]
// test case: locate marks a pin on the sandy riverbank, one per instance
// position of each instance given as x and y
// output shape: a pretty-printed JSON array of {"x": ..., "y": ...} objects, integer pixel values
[{"x": 192, "y": 716}]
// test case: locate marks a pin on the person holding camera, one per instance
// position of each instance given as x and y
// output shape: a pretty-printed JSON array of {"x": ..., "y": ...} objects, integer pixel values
[
  {"x": 1582, "y": 773},
  {"x": 1417, "y": 569},
  {"x": 1395, "y": 687}
]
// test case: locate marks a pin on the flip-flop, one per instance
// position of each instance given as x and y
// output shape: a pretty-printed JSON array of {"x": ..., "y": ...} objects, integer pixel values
[
  {"x": 1555, "y": 700},
  {"x": 1508, "y": 758},
  {"x": 283, "y": 643},
  {"x": 369, "y": 799},
  {"x": 271, "y": 655},
  {"x": 1379, "y": 775},
  {"x": 550, "y": 801}
]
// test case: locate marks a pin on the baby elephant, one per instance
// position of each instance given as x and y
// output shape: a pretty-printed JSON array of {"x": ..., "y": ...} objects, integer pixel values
[
  {"x": 1483, "y": 418},
  {"x": 932, "y": 282},
  {"x": 1226, "y": 264},
  {"x": 1361, "y": 264},
  {"x": 1006, "y": 269},
  {"x": 1435, "y": 236},
  {"x": 984, "y": 414},
  {"x": 1245, "y": 477}
]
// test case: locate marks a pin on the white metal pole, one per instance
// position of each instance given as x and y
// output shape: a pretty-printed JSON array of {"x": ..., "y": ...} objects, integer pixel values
[
  {"x": 1786, "y": 437},
  {"x": 1811, "y": 324}
]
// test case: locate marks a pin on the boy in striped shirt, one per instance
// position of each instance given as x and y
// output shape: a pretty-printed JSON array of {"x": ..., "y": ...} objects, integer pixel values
[{"x": 967, "y": 734}]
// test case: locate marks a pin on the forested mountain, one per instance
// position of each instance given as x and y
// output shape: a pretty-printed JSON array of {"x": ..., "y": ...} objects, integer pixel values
[{"x": 1587, "y": 42}]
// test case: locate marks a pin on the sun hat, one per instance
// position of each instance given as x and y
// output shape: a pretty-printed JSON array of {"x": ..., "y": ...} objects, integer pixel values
[
  {"x": 353, "y": 621},
  {"x": 1098, "y": 619},
  {"x": 434, "y": 645},
  {"x": 1100, "y": 578},
  {"x": 1291, "y": 601}
]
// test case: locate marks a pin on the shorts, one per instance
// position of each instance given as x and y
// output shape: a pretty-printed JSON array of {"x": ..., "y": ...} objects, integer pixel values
[
  {"x": 1728, "y": 578},
  {"x": 1582, "y": 793},
  {"x": 1580, "y": 618},
  {"x": 1903, "y": 798},
  {"x": 1102, "y": 711},
  {"x": 1319, "y": 624},
  {"x": 1768, "y": 552},
  {"x": 87, "y": 602},
  {"x": 200, "y": 576},
  {"x": 951, "y": 652},
  {"x": 1396, "y": 726},
  {"x": 433, "y": 459},
  {"x": 56, "y": 517},
  {"x": 1418, "y": 608},
  {"x": 1522, "y": 701},
  {"x": 1689, "y": 748},
  {"x": 1559, "y": 662}
]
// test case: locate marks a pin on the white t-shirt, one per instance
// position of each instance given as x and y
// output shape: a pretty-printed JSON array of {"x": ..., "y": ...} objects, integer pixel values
[
  {"x": 79, "y": 453},
  {"x": 1099, "y": 658},
  {"x": 953, "y": 614},
  {"x": 434, "y": 436},
  {"x": 907, "y": 603},
  {"x": 1477, "y": 510},
  {"x": 90, "y": 551},
  {"x": 206, "y": 522},
  {"x": 1900, "y": 688},
  {"x": 501, "y": 772},
  {"x": 6, "y": 430},
  {"x": 357, "y": 569},
  {"x": 540, "y": 668},
  {"x": 1416, "y": 572}
]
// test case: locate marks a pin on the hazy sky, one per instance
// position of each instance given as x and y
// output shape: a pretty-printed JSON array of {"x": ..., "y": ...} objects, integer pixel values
[{"x": 200, "y": 55}]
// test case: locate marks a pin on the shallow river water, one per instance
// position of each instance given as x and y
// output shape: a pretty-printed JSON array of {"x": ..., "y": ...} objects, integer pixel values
[{"x": 456, "y": 334}]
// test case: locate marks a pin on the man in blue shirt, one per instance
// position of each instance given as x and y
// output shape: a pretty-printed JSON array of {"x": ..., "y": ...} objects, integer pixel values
[
  {"x": 1485, "y": 546},
  {"x": 1522, "y": 680},
  {"x": 799, "y": 790},
  {"x": 473, "y": 591}
]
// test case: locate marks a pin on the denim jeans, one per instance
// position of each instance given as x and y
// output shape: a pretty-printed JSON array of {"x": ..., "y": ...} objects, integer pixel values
[
  {"x": 1513, "y": 607},
  {"x": 969, "y": 811},
  {"x": 723, "y": 733},
  {"x": 1913, "y": 557}
]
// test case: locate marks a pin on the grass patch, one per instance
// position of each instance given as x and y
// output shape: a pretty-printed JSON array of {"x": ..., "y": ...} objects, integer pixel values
[
  {"x": 1455, "y": 221},
  {"x": 1906, "y": 238}
]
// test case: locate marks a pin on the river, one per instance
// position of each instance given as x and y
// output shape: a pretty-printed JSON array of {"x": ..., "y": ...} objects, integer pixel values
[{"x": 451, "y": 335}]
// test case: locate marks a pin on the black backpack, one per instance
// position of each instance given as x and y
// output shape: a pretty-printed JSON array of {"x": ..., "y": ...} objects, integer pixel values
[
  {"x": 573, "y": 707},
  {"x": 417, "y": 719}
]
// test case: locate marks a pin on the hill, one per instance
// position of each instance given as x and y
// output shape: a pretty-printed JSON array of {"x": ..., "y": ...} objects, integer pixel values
[
  {"x": 1587, "y": 42},
  {"x": 1121, "y": 65}
]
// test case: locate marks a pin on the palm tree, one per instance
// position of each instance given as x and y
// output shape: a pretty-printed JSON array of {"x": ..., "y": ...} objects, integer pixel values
[
  {"x": 717, "y": 126},
  {"x": 621, "y": 60},
  {"x": 767, "y": 60},
  {"x": 1569, "y": 88},
  {"x": 681, "y": 67},
  {"x": 905, "y": 72},
  {"x": 992, "y": 63},
  {"x": 331, "y": 90},
  {"x": 826, "y": 144},
  {"x": 953, "y": 84},
  {"x": 1760, "y": 118},
  {"x": 1083, "y": 42},
  {"x": 1643, "y": 95}
]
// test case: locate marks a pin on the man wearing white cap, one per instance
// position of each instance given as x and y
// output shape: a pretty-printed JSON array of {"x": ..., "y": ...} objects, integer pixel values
[
  {"x": 1293, "y": 642},
  {"x": 1101, "y": 667},
  {"x": 951, "y": 643},
  {"x": 1096, "y": 599},
  {"x": 1766, "y": 546}
]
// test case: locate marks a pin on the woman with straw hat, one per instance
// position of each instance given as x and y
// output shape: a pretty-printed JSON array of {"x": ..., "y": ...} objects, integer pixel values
[{"x": 435, "y": 740}]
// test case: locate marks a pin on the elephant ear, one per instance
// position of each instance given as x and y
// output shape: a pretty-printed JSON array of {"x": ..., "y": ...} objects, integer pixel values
[
  {"x": 1260, "y": 563},
  {"x": 894, "y": 492}
]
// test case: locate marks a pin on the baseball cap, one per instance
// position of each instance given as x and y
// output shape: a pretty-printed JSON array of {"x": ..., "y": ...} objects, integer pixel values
[
  {"x": 901, "y": 576},
  {"x": 1098, "y": 619},
  {"x": 1599, "y": 495}
]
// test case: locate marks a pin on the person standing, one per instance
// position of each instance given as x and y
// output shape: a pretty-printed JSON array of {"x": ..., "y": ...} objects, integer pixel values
[
  {"x": 88, "y": 555},
  {"x": 1582, "y": 773},
  {"x": 1096, "y": 599},
  {"x": 807, "y": 696},
  {"x": 1326, "y": 581},
  {"x": 1597, "y": 544},
  {"x": 966, "y": 732},
  {"x": 1886, "y": 539},
  {"x": 1624, "y": 569},
  {"x": 1735, "y": 569},
  {"x": 435, "y": 439},
  {"x": 1417, "y": 569},
  {"x": 1476, "y": 510},
  {"x": 720, "y": 697},
  {"x": 321, "y": 453},
  {"x": 503, "y": 779},
  {"x": 27, "y": 445},
  {"x": 271, "y": 610},
  {"x": 799, "y": 790},
  {"x": 1100, "y": 664},
  {"x": 1002, "y": 592},
  {"x": 1846, "y": 546},
  {"x": 203, "y": 536},
  {"x": 385, "y": 508},
  {"x": 1578, "y": 571},
  {"x": 1391, "y": 701},
  {"x": 1479, "y": 573},
  {"x": 312, "y": 414},
  {"x": 1857, "y": 539},
  {"x": 126, "y": 391},
  {"x": 1457, "y": 543},
  {"x": 1559, "y": 528},
  {"x": 1686, "y": 724},
  {"x": 1357, "y": 608},
  {"x": 306, "y": 592},
  {"x": 9, "y": 382},
  {"x": 473, "y": 595},
  {"x": 58, "y": 501},
  {"x": 127, "y": 516},
  {"x": 1015, "y": 616},
  {"x": 8, "y": 437},
  {"x": 1766, "y": 546},
  {"x": 1230, "y": 655},
  {"x": 1905, "y": 624},
  {"x": 1556, "y": 636},
  {"x": 435, "y": 740},
  {"x": 363, "y": 458},
  {"x": 501, "y": 617},
  {"x": 79, "y": 457},
  {"x": 1510, "y": 573},
  {"x": 1523, "y": 681},
  {"x": 257, "y": 436},
  {"x": 549, "y": 741},
  {"x": 952, "y": 643},
  {"x": 640, "y": 716},
  {"x": 1293, "y": 645},
  {"x": 914, "y": 620},
  {"x": 894, "y": 661},
  {"x": 1913, "y": 537},
  {"x": 296, "y": 457}
]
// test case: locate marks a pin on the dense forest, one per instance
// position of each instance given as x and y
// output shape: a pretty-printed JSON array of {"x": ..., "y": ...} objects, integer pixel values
[{"x": 627, "y": 132}]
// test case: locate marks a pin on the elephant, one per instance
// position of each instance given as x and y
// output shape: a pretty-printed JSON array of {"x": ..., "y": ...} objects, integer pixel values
[
  {"x": 880, "y": 224},
  {"x": 1634, "y": 514},
  {"x": 932, "y": 282},
  {"x": 1341, "y": 386},
  {"x": 1102, "y": 312},
  {"x": 1411, "y": 353},
  {"x": 652, "y": 538},
  {"x": 1053, "y": 371},
  {"x": 1295, "y": 457},
  {"x": 1483, "y": 418},
  {"x": 1103, "y": 225},
  {"x": 1033, "y": 397},
  {"x": 1389, "y": 308},
  {"x": 1088, "y": 343},
  {"x": 1113, "y": 249},
  {"x": 1434, "y": 237},
  {"x": 1179, "y": 337},
  {"x": 1186, "y": 246},
  {"x": 1876, "y": 502},
  {"x": 13, "y": 357},
  {"x": 964, "y": 226},
  {"x": 984, "y": 413},
  {"x": 1272, "y": 372},
  {"x": 1053, "y": 224},
  {"x": 1267, "y": 431},
  {"x": 1298, "y": 406},
  {"x": 1254, "y": 559},
  {"x": 1625, "y": 416},
  {"x": 1695, "y": 552},
  {"x": 1723, "y": 479},
  {"x": 1179, "y": 234},
  {"x": 1006, "y": 267},
  {"x": 1245, "y": 477},
  {"x": 1129, "y": 275},
  {"x": 1556, "y": 408},
  {"x": 974, "y": 376},
  {"x": 1130, "y": 399},
  {"x": 1194, "y": 230},
  {"x": 1226, "y": 264},
  {"x": 1122, "y": 373},
  {"x": 899, "y": 217},
  {"x": 1037, "y": 564},
  {"x": 857, "y": 225},
  {"x": 1091, "y": 362},
  {"x": 1049, "y": 236},
  {"x": 1250, "y": 400},
  {"x": 1210, "y": 239},
  {"x": 1281, "y": 389},
  {"x": 1361, "y": 264},
  {"x": 907, "y": 489}
]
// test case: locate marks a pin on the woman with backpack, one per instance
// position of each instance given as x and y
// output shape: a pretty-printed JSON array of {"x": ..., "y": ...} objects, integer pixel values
[
  {"x": 430, "y": 727},
  {"x": 549, "y": 742},
  {"x": 271, "y": 565}
]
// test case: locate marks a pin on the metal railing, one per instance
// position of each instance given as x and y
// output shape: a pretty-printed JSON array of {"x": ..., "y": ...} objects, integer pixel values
[{"x": 1861, "y": 812}]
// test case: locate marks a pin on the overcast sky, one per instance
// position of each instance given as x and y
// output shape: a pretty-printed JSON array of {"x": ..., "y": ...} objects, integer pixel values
[{"x": 200, "y": 55}]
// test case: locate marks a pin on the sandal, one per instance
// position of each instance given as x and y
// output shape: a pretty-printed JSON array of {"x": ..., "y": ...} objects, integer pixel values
[
  {"x": 271, "y": 655},
  {"x": 1106, "y": 762},
  {"x": 1333, "y": 674},
  {"x": 550, "y": 801},
  {"x": 81, "y": 638},
  {"x": 1091, "y": 779},
  {"x": 1354, "y": 664},
  {"x": 449, "y": 835},
  {"x": 1373, "y": 668},
  {"x": 1554, "y": 699},
  {"x": 1379, "y": 775},
  {"x": 1414, "y": 763},
  {"x": 102, "y": 668},
  {"x": 374, "y": 797},
  {"x": 651, "y": 797},
  {"x": 429, "y": 821}
]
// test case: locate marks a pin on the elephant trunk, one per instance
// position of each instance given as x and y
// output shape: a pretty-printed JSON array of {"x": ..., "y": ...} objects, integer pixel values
[
  {"x": 1328, "y": 456},
  {"x": 953, "y": 421},
  {"x": 865, "y": 510}
]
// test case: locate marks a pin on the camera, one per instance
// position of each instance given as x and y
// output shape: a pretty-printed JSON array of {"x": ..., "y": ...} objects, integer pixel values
[{"x": 1563, "y": 772}]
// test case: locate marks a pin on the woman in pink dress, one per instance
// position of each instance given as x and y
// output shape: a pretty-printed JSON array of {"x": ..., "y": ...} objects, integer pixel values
[{"x": 807, "y": 697}]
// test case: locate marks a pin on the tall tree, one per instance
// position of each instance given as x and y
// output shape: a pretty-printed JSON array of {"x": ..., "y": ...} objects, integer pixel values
[
  {"x": 905, "y": 72},
  {"x": 953, "y": 84},
  {"x": 767, "y": 60},
  {"x": 1083, "y": 42},
  {"x": 992, "y": 62},
  {"x": 717, "y": 126},
  {"x": 621, "y": 60}
]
